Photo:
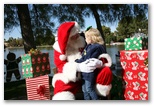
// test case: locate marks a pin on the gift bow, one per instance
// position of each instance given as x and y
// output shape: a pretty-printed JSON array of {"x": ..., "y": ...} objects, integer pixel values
[
  {"x": 34, "y": 51},
  {"x": 140, "y": 35},
  {"x": 146, "y": 62},
  {"x": 41, "y": 90}
]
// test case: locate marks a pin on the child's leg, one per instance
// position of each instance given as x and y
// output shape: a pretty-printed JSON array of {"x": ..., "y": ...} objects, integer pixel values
[
  {"x": 91, "y": 90},
  {"x": 85, "y": 93}
]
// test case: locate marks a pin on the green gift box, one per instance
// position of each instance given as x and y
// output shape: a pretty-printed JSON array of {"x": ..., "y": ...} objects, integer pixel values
[
  {"x": 136, "y": 43},
  {"x": 34, "y": 65}
]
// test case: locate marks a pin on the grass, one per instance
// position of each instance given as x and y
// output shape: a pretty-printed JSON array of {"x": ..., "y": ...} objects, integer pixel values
[
  {"x": 14, "y": 89},
  {"x": 17, "y": 90},
  {"x": 117, "y": 91}
]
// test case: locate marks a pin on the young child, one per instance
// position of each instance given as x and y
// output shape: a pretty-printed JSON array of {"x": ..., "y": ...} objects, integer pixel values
[{"x": 93, "y": 49}]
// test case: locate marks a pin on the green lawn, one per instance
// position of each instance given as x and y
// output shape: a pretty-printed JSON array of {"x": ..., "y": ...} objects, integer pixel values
[{"x": 17, "y": 90}]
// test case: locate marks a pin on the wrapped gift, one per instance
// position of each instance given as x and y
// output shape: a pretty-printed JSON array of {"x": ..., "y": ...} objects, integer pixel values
[
  {"x": 38, "y": 88},
  {"x": 136, "y": 43},
  {"x": 133, "y": 60},
  {"x": 135, "y": 74},
  {"x": 34, "y": 65}
]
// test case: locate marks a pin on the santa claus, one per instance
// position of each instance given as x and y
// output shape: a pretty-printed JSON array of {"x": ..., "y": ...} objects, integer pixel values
[{"x": 67, "y": 48}]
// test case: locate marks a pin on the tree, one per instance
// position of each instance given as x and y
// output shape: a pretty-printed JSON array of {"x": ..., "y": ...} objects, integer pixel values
[
  {"x": 141, "y": 22},
  {"x": 127, "y": 26},
  {"x": 108, "y": 35},
  {"x": 42, "y": 14},
  {"x": 10, "y": 17},
  {"x": 103, "y": 13},
  {"x": 106, "y": 30},
  {"x": 124, "y": 26},
  {"x": 41, "y": 18},
  {"x": 26, "y": 29},
  {"x": 15, "y": 15},
  {"x": 94, "y": 10}
]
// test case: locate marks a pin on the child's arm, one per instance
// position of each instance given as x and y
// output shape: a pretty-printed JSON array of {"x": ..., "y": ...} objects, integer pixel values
[{"x": 92, "y": 53}]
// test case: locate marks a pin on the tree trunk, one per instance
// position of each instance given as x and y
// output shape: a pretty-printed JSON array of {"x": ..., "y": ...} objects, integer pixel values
[
  {"x": 26, "y": 29},
  {"x": 98, "y": 22}
]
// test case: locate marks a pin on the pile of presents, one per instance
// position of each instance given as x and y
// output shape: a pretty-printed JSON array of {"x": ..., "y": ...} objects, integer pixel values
[
  {"x": 134, "y": 60},
  {"x": 35, "y": 70}
]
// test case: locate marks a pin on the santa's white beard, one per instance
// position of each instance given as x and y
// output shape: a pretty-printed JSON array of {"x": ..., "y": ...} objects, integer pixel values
[{"x": 72, "y": 49}]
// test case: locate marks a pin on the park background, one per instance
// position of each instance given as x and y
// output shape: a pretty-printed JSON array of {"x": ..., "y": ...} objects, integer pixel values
[{"x": 112, "y": 102}]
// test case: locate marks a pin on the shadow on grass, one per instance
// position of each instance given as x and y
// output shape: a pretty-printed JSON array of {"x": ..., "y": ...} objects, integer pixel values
[{"x": 17, "y": 90}]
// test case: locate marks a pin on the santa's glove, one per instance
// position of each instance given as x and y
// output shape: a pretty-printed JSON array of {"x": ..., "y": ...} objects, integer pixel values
[{"x": 89, "y": 65}]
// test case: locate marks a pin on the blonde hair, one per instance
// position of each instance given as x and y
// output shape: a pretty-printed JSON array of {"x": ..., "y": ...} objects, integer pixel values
[{"x": 94, "y": 35}]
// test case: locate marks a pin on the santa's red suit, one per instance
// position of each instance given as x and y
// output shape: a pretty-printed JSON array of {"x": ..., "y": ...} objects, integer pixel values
[{"x": 67, "y": 49}]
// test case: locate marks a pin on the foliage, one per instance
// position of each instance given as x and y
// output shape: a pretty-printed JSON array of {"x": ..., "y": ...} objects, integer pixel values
[
  {"x": 117, "y": 91},
  {"x": 44, "y": 17},
  {"x": 109, "y": 36},
  {"x": 18, "y": 42},
  {"x": 40, "y": 18},
  {"x": 106, "y": 30},
  {"x": 10, "y": 17},
  {"x": 14, "y": 42},
  {"x": 129, "y": 25},
  {"x": 40, "y": 21}
]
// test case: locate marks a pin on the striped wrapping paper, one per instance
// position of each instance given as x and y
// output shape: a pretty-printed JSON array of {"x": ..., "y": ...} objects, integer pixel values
[{"x": 32, "y": 85}]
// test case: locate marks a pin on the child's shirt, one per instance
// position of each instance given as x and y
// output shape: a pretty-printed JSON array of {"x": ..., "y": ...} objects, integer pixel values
[{"x": 91, "y": 51}]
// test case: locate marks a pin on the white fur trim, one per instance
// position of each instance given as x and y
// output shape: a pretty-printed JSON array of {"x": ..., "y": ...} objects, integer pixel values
[
  {"x": 56, "y": 47},
  {"x": 59, "y": 76},
  {"x": 63, "y": 96},
  {"x": 107, "y": 56},
  {"x": 73, "y": 56},
  {"x": 75, "y": 29},
  {"x": 103, "y": 90},
  {"x": 56, "y": 38},
  {"x": 62, "y": 57},
  {"x": 69, "y": 70}
]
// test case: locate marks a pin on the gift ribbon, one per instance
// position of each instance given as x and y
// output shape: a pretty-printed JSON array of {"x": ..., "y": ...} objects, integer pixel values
[
  {"x": 140, "y": 35},
  {"x": 34, "y": 51},
  {"x": 41, "y": 90},
  {"x": 146, "y": 62}
]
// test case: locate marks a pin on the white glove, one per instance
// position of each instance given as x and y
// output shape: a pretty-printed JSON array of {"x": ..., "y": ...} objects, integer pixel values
[
  {"x": 94, "y": 63},
  {"x": 89, "y": 65}
]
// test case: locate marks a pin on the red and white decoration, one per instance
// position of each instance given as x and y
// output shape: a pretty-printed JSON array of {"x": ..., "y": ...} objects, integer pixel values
[
  {"x": 135, "y": 74},
  {"x": 38, "y": 88}
]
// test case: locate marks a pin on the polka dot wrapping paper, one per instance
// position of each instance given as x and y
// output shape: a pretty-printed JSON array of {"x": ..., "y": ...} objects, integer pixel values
[{"x": 136, "y": 43}]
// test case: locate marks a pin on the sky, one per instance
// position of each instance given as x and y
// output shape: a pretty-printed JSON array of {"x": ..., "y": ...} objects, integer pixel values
[{"x": 16, "y": 33}]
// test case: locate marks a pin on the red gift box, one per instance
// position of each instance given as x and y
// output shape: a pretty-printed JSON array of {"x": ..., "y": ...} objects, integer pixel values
[
  {"x": 38, "y": 88},
  {"x": 135, "y": 74}
]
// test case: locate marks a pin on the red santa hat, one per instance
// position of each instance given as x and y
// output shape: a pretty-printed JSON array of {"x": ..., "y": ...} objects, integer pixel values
[
  {"x": 65, "y": 30},
  {"x": 104, "y": 82}
]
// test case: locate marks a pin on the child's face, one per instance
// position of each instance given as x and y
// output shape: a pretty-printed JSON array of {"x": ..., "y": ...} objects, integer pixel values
[{"x": 88, "y": 39}]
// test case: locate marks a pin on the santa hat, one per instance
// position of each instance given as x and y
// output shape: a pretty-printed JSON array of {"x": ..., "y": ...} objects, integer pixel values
[
  {"x": 104, "y": 78},
  {"x": 65, "y": 31},
  {"x": 104, "y": 82}
]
